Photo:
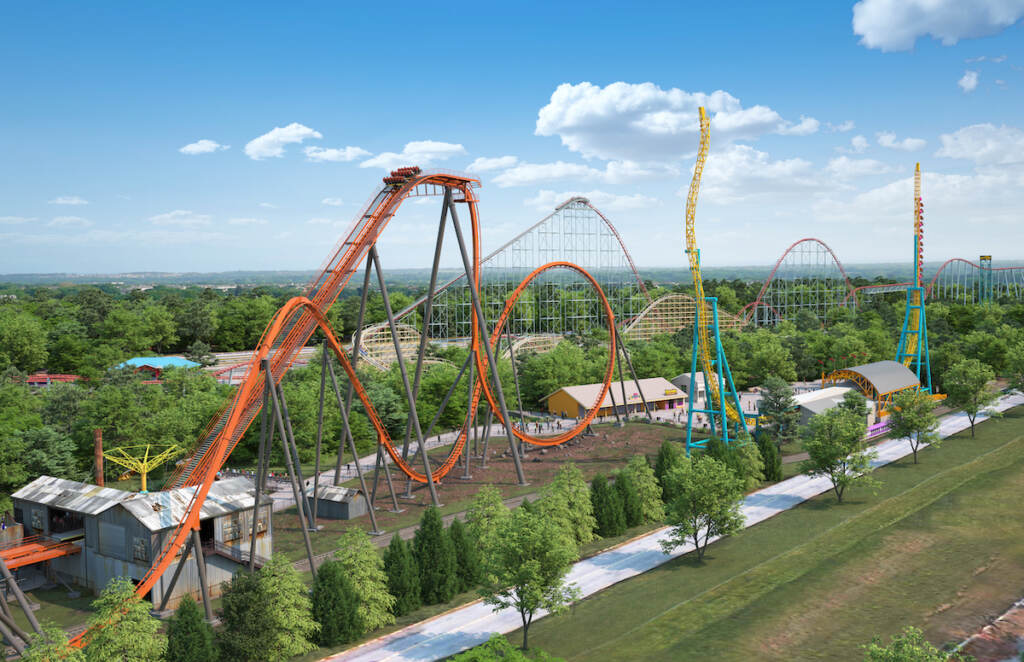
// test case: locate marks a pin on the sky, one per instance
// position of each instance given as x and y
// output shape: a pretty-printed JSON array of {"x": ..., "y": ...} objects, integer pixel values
[{"x": 200, "y": 137}]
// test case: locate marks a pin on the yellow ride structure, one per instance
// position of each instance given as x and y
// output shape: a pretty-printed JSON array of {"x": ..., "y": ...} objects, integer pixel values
[
  {"x": 912, "y": 350},
  {"x": 723, "y": 405},
  {"x": 141, "y": 465}
]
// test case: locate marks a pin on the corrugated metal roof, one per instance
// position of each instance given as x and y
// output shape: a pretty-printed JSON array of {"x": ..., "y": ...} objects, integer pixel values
[
  {"x": 70, "y": 495},
  {"x": 334, "y": 493},
  {"x": 821, "y": 394},
  {"x": 654, "y": 389},
  {"x": 155, "y": 510},
  {"x": 887, "y": 376}
]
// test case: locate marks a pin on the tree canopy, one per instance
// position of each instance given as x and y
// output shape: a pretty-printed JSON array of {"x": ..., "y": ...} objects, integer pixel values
[{"x": 706, "y": 503}]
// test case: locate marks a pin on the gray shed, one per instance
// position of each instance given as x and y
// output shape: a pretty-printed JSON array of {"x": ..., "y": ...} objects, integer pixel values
[{"x": 336, "y": 502}]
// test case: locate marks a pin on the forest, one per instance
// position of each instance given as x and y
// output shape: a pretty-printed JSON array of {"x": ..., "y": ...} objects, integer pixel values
[{"x": 87, "y": 330}]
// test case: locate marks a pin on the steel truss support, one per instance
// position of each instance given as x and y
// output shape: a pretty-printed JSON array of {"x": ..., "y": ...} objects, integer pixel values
[
  {"x": 912, "y": 350},
  {"x": 204, "y": 586},
  {"x": 20, "y": 597},
  {"x": 716, "y": 411}
]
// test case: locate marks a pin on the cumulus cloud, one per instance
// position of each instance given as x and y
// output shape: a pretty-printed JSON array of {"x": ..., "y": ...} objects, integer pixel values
[
  {"x": 268, "y": 205},
  {"x": 895, "y": 25},
  {"x": 858, "y": 145},
  {"x": 614, "y": 172},
  {"x": 844, "y": 167},
  {"x": 332, "y": 202},
  {"x": 742, "y": 172},
  {"x": 968, "y": 82},
  {"x": 343, "y": 154},
  {"x": 547, "y": 200},
  {"x": 417, "y": 152},
  {"x": 70, "y": 222},
  {"x": 483, "y": 164},
  {"x": 69, "y": 200},
  {"x": 886, "y": 139},
  {"x": 985, "y": 144},
  {"x": 643, "y": 122},
  {"x": 15, "y": 220},
  {"x": 181, "y": 218},
  {"x": 272, "y": 143},
  {"x": 247, "y": 221},
  {"x": 203, "y": 146},
  {"x": 848, "y": 125}
]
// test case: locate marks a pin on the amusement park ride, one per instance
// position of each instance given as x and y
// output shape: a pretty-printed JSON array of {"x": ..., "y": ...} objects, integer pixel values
[{"x": 912, "y": 350}]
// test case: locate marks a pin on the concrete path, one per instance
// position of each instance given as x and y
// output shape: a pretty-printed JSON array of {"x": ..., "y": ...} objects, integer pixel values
[{"x": 474, "y": 623}]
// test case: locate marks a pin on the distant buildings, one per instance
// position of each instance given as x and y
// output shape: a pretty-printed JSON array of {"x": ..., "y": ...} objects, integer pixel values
[{"x": 157, "y": 364}]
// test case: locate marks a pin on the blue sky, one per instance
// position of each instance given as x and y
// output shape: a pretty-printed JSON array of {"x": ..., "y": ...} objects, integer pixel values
[{"x": 820, "y": 110}]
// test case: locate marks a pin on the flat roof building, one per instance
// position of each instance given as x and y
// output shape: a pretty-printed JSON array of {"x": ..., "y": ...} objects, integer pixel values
[
  {"x": 118, "y": 534},
  {"x": 574, "y": 401}
]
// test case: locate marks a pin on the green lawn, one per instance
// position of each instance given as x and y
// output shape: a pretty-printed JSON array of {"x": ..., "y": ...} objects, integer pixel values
[{"x": 940, "y": 546}]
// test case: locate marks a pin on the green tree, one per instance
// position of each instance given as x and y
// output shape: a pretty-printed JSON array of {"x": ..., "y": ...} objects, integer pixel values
[
  {"x": 567, "y": 498},
  {"x": 125, "y": 631},
  {"x": 1015, "y": 366},
  {"x": 855, "y": 403},
  {"x": 267, "y": 615},
  {"x": 200, "y": 352},
  {"x": 336, "y": 605},
  {"x": 742, "y": 457},
  {"x": 835, "y": 445},
  {"x": 484, "y": 517},
  {"x": 608, "y": 508},
  {"x": 189, "y": 636},
  {"x": 912, "y": 415},
  {"x": 967, "y": 386},
  {"x": 22, "y": 341},
  {"x": 498, "y": 649},
  {"x": 403, "y": 576},
  {"x": 362, "y": 564},
  {"x": 436, "y": 559},
  {"x": 50, "y": 453},
  {"x": 527, "y": 565},
  {"x": 669, "y": 455},
  {"x": 652, "y": 508},
  {"x": 770, "y": 458},
  {"x": 779, "y": 416},
  {"x": 467, "y": 556},
  {"x": 629, "y": 496},
  {"x": 706, "y": 503},
  {"x": 909, "y": 646},
  {"x": 51, "y": 645}
]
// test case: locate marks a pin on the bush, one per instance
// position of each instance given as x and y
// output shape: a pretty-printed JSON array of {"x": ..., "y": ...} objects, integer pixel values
[
  {"x": 403, "y": 576},
  {"x": 632, "y": 509},
  {"x": 189, "y": 637},
  {"x": 771, "y": 458},
  {"x": 608, "y": 508},
  {"x": 435, "y": 557},
  {"x": 336, "y": 605},
  {"x": 467, "y": 556}
]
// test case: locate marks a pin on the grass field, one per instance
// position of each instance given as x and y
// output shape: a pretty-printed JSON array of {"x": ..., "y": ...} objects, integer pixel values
[{"x": 940, "y": 546}]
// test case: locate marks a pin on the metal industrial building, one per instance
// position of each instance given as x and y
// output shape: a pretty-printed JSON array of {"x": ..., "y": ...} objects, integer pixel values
[
  {"x": 336, "y": 502},
  {"x": 105, "y": 533}
]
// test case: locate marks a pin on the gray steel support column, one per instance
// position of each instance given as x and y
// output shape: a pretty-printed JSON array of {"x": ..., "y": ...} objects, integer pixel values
[
  {"x": 352, "y": 445},
  {"x": 487, "y": 436},
  {"x": 376, "y": 477},
  {"x": 10, "y": 637},
  {"x": 261, "y": 461},
  {"x": 629, "y": 364},
  {"x": 320, "y": 429},
  {"x": 185, "y": 551},
  {"x": 299, "y": 496},
  {"x": 356, "y": 338},
  {"x": 474, "y": 295},
  {"x": 7, "y": 618},
  {"x": 615, "y": 407},
  {"x": 405, "y": 375},
  {"x": 20, "y": 597},
  {"x": 4, "y": 609},
  {"x": 204, "y": 587},
  {"x": 291, "y": 446},
  {"x": 427, "y": 310},
  {"x": 625, "y": 401}
]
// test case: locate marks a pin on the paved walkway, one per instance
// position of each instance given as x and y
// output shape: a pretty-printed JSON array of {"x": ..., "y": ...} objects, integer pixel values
[{"x": 472, "y": 624}]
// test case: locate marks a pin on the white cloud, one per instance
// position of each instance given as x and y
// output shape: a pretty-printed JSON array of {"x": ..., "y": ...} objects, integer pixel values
[
  {"x": 268, "y": 205},
  {"x": 182, "y": 218},
  {"x": 15, "y": 220},
  {"x": 203, "y": 146},
  {"x": 548, "y": 200},
  {"x": 272, "y": 143},
  {"x": 69, "y": 200},
  {"x": 247, "y": 221},
  {"x": 70, "y": 222},
  {"x": 848, "y": 125},
  {"x": 886, "y": 139},
  {"x": 483, "y": 164},
  {"x": 968, "y": 82},
  {"x": 985, "y": 144},
  {"x": 417, "y": 152},
  {"x": 642, "y": 122},
  {"x": 858, "y": 145},
  {"x": 332, "y": 202},
  {"x": 742, "y": 172},
  {"x": 341, "y": 155},
  {"x": 894, "y": 25},
  {"x": 844, "y": 168},
  {"x": 526, "y": 174}
]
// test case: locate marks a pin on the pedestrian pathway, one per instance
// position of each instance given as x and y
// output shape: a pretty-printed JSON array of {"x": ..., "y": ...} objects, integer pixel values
[{"x": 473, "y": 624}]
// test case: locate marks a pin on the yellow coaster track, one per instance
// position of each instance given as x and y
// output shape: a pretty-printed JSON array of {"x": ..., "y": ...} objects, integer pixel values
[{"x": 693, "y": 253}]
